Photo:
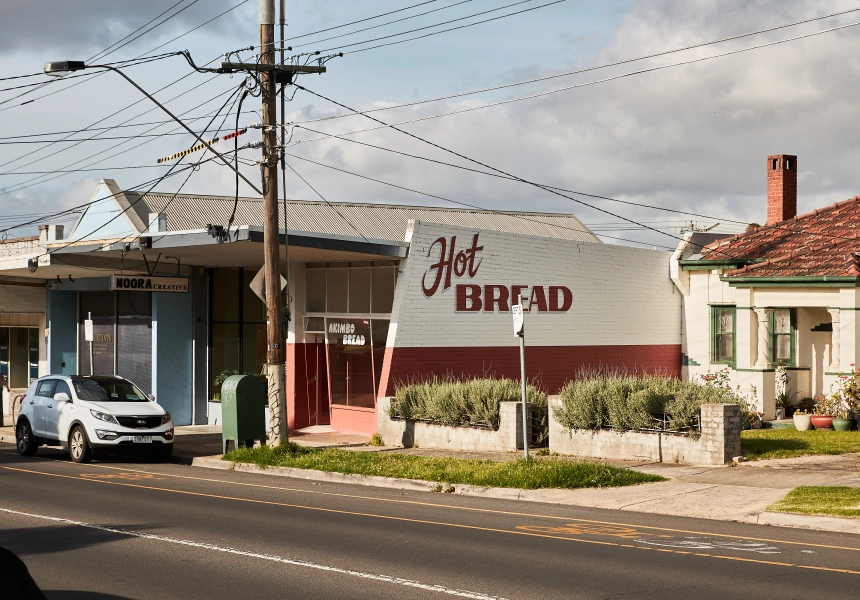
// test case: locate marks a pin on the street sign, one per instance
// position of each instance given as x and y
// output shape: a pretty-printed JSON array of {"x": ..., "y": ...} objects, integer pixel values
[
  {"x": 88, "y": 330},
  {"x": 258, "y": 284},
  {"x": 517, "y": 312}
]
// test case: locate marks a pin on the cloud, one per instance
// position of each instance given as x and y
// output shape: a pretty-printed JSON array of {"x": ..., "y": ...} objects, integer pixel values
[
  {"x": 691, "y": 137},
  {"x": 92, "y": 25}
]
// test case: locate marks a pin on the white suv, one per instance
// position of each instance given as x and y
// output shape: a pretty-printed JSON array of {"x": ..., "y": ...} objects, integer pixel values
[{"x": 88, "y": 415}]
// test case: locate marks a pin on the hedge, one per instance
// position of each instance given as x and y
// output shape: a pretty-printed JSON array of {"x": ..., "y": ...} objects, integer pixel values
[
  {"x": 467, "y": 403},
  {"x": 626, "y": 402}
]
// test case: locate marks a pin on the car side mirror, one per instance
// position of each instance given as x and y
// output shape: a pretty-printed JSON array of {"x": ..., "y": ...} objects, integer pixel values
[
  {"x": 151, "y": 397},
  {"x": 62, "y": 397}
]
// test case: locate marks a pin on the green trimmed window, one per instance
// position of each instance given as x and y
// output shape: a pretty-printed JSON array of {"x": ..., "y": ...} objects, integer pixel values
[
  {"x": 783, "y": 324},
  {"x": 723, "y": 334}
]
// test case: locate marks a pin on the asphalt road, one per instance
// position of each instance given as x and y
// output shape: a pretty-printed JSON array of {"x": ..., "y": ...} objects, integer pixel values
[{"x": 116, "y": 529}]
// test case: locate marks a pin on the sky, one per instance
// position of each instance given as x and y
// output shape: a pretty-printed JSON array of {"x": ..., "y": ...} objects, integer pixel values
[{"x": 683, "y": 137}]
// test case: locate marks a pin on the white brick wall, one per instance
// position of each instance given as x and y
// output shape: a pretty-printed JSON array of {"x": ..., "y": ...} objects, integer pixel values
[{"x": 621, "y": 295}]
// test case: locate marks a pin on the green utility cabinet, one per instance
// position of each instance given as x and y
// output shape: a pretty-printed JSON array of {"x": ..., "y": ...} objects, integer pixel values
[{"x": 243, "y": 412}]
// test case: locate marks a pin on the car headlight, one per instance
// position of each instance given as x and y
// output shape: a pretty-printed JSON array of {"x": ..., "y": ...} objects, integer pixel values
[
  {"x": 103, "y": 417},
  {"x": 165, "y": 419}
]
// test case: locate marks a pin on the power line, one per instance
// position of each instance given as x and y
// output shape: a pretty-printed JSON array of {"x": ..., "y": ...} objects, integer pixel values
[
  {"x": 104, "y": 53},
  {"x": 474, "y": 206},
  {"x": 594, "y": 82},
  {"x": 140, "y": 56},
  {"x": 131, "y": 204},
  {"x": 486, "y": 166},
  {"x": 101, "y": 199},
  {"x": 594, "y": 68},
  {"x": 383, "y": 24},
  {"x": 361, "y": 20},
  {"x": 440, "y": 24},
  {"x": 29, "y": 135},
  {"x": 464, "y": 168},
  {"x": 94, "y": 139},
  {"x": 32, "y": 182}
]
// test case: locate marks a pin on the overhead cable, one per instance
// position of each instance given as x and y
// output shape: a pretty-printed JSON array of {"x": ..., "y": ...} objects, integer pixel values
[{"x": 604, "y": 66}]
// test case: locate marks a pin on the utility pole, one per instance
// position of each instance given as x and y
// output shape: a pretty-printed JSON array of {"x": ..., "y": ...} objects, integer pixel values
[
  {"x": 275, "y": 356},
  {"x": 282, "y": 22}
]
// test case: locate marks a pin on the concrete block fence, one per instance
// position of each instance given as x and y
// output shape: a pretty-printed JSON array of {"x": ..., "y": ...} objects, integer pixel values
[
  {"x": 399, "y": 432},
  {"x": 719, "y": 442}
]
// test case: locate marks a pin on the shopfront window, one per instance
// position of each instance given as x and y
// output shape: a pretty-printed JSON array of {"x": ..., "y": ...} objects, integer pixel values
[
  {"x": 350, "y": 362},
  {"x": 19, "y": 355},
  {"x": 356, "y": 288},
  {"x": 238, "y": 327}
]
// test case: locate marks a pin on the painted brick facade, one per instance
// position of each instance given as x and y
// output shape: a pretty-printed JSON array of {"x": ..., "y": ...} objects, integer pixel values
[{"x": 624, "y": 309}]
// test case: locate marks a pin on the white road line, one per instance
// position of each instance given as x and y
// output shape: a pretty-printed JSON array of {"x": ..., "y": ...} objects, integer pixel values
[{"x": 287, "y": 561}]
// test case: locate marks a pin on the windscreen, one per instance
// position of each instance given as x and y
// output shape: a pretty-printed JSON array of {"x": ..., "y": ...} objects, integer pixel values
[{"x": 110, "y": 390}]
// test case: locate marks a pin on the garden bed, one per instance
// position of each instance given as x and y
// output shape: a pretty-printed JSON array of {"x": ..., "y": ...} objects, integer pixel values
[{"x": 522, "y": 474}]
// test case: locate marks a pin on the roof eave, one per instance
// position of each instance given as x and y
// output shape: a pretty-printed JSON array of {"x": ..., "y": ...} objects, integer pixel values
[{"x": 816, "y": 281}]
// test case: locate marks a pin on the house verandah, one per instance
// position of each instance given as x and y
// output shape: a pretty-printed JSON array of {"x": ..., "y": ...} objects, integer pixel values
[
  {"x": 787, "y": 293},
  {"x": 812, "y": 331}
]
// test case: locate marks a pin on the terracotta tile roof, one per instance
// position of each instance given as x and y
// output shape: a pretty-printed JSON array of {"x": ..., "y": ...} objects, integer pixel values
[{"x": 817, "y": 244}]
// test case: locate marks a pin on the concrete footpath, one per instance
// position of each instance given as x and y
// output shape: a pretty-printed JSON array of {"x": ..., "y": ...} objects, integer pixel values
[
  {"x": 739, "y": 492},
  {"x": 733, "y": 493}
]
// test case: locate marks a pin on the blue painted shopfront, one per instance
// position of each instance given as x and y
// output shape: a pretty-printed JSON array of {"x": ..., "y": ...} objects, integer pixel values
[{"x": 145, "y": 337}]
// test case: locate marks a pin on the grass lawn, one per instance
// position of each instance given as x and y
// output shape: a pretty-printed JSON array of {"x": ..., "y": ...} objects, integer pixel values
[
  {"x": 821, "y": 500},
  {"x": 788, "y": 443},
  {"x": 518, "y": 473}
]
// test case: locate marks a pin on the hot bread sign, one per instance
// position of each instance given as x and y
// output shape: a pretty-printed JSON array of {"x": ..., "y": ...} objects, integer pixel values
[{"x": 489, "y": 297}]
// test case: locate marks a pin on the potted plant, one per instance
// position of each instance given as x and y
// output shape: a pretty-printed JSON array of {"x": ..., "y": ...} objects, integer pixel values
[
  {"x": 783, "y": 404},
  {"x": 842, "y": 421},
  {"x": 823, "y": 417},
  {"x": 802, "y": 420}
]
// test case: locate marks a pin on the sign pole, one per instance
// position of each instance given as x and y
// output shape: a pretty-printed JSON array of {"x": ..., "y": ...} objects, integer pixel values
[
  {"x": 88, "y": 333},
  {"x": 519, "y": 331}
]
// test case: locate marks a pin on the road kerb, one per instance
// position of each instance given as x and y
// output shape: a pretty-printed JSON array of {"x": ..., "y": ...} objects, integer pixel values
[{"x": 550, "y": 496}]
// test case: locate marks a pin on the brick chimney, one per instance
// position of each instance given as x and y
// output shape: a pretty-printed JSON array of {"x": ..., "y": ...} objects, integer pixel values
[{"x": 781, "y": 188}]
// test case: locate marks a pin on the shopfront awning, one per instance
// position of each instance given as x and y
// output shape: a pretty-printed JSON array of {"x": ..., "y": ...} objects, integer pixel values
[{"x": 167, "y": 253}]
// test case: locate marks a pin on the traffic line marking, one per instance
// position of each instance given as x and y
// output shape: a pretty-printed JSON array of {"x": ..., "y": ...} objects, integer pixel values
[
  {"x": 422, "y": 521},
  {"x": 459, "y": 508},
  {"x": 270, "y": 557}
]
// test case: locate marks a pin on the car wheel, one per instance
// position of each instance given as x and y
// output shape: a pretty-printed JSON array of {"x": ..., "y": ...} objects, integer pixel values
[
  {"x": 24, "y": 439},
  {"x": 79, "y": 446}
]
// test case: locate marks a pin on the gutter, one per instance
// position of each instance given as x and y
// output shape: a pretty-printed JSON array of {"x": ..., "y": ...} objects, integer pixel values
[{"x": 827, "y": 281}]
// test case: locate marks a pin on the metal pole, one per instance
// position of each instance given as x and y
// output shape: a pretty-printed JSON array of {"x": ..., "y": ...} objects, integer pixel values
[
  {"x": 282, "y": 21},
  {"x": 275, "y": 358},
  {"x": 523, "y": 380},
  {"x": 90, "y": 318}
]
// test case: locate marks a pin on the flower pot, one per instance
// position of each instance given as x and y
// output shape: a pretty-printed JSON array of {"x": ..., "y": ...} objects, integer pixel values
[
  {"x": 802, "y": 422},
  {"x": 779, "y": 413},
  {"x": 842, "y": 424},
  {"x": 822, "y": 421}
]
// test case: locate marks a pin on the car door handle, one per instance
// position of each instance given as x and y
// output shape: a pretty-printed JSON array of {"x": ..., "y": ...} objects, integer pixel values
[
  {"x": 32, "y": 402},
  {"x": 50, "y": 406}
]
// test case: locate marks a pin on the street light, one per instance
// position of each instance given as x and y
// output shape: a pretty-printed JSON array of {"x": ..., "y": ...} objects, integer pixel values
[{"x": 60, "y": 68}]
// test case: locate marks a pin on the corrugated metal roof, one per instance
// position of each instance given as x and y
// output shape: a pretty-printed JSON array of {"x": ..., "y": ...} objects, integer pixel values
[{"x": 373, "y": 221}]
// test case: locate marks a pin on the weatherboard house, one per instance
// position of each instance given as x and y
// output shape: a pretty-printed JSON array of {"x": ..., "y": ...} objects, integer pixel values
[
  {"x": 787, "y": 293},
  {"x": 378, "y": 294}
]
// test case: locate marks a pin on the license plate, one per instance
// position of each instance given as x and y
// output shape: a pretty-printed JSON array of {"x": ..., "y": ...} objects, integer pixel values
[{"x": 143, "y": 439}]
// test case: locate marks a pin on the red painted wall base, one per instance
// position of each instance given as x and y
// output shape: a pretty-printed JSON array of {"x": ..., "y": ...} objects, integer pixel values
[{"x": 550, "y": 366}]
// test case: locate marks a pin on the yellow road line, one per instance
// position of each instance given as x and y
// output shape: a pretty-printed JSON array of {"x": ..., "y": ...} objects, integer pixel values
[
  {"x": 424, "y": 521},
  {"x": 462, "y": 508}
]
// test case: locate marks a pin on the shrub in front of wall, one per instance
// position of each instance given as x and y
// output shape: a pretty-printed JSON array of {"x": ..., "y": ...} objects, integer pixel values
[
  {"x": 463, "y": 402},
  {"x": 625, "y": 402}
]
